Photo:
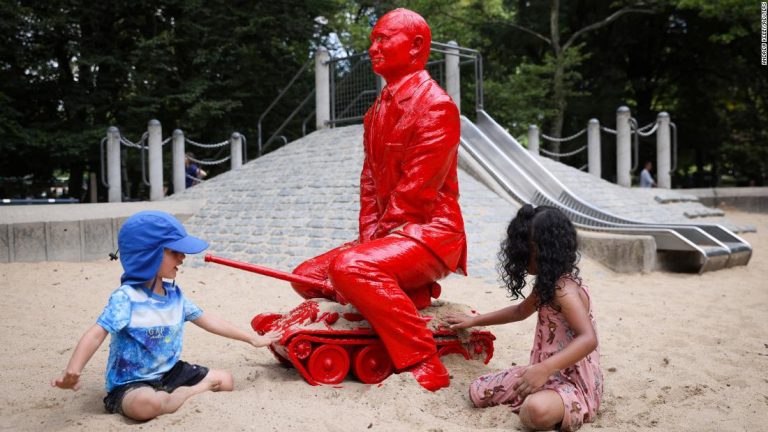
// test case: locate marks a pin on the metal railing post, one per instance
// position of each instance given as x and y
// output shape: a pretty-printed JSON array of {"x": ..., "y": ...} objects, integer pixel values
[
  {"x": 623, "y": 147},
  {"x": 155, "y": 143},
  {"x": 533, "y": 139},
  {"x": 179, "y": 170},
  {"x": 114, "y": 184},
  {"x": 663, "y": 152},
  {"x": 92, "y": 187},
  {"x": 453, "y": 74},
  {"x": 593, "y": 148},
  {"x": 322, "y": 88},
  {"x": 236, "y": 145}
]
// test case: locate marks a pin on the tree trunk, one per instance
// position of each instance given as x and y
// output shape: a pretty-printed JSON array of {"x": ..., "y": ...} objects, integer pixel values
[
  {"x": 558, "y": 93},
  {"x": 76, "y": 181}
]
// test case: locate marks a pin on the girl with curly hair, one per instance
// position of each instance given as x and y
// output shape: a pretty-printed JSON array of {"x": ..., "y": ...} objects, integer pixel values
[{"x": 562, "y": 386}]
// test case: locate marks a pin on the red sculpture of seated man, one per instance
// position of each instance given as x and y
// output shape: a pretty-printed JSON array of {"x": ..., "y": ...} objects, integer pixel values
[{"x": 411, "y": 228}]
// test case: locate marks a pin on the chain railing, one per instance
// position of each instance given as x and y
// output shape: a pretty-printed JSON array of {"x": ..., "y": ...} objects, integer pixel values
[
  {"x": 151, "y": 156},
  {"x": 558, "y": 155},
  {"x": 628, "y": 135}
]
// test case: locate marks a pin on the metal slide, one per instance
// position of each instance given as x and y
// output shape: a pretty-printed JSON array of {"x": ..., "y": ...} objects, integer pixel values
[{"x": 683, "y": 247}]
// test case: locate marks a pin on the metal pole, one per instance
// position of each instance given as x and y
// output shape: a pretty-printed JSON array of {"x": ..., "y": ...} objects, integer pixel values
[
  {"x": 236, "y": 143},
  {"x": 623, "y": 147},
  {"x": 179, "y": 170},
  {"x": 155, "y": 141},
  {"x": 115, "y": 188},
  {"x": 533, "y": 139},
  {"x": 322, "y": 88},
  {"x": 593, "y": 148},
  {"x": 453, "y": 74},
  {"x": 92, "y": 187},
  {"x": 663, "y": 153}
]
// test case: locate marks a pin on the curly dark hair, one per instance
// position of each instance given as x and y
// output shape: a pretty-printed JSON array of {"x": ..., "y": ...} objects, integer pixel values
[{"x": 544, "y": 240}]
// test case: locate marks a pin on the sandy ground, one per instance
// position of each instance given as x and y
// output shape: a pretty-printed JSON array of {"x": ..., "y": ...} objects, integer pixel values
[{"x": 680, "y": 352}]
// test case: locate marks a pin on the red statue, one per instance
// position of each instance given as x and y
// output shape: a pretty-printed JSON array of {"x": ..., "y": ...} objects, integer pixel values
[{"x": 411, "y": 229}]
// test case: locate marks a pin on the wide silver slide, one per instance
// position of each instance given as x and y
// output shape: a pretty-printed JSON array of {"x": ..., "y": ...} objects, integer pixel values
[{"x": 683, "y": 247}]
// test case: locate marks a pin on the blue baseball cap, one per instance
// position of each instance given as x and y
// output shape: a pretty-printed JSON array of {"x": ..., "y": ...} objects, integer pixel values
[{"x": 142, "y": 240}]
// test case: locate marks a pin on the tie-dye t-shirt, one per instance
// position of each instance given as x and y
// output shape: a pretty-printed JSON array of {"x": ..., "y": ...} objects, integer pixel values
[{"x": 147, "y": 331}]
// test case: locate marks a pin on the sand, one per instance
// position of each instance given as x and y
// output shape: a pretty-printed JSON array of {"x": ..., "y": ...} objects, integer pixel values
[{"x": 680, "y": 352}]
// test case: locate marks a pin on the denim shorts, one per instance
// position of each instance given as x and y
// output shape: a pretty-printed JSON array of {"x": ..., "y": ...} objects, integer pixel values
[{"x": 181, "y": 374}]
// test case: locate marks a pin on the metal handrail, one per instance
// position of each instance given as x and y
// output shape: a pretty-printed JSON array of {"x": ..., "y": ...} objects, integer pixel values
[
  {"x": 351, "y": 56},
  {"x": 144, "y": 163},
  {"x": 333, "y": 84},
  {"x": 357, "y": 98},
  {"x": 284, "y": 123},
  {"x": 471, "y": 55},
  {"x": 280, "y": 96},
  {"x": 304, "y": 123},
  {"x": 674, "y": 146},
  {"x": 635, "y": 142},
  {"x": 478, "y": 58},
  {"x": 102, "y": 162}
]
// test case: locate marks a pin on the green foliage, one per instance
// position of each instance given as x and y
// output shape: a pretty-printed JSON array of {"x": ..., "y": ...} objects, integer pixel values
[
  {"x": 69, "y": 69},
  {"x": 72, "y": 68},
  {"x": 740, "y": 16}
]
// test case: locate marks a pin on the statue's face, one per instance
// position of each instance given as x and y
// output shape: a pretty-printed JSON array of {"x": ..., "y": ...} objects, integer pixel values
[{"x": 392, "y": 48}]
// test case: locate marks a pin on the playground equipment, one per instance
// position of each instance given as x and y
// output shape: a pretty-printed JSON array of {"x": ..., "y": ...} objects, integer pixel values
[
  {"x": 323, "y": 339},
  {"x": 696, "y": 247}
]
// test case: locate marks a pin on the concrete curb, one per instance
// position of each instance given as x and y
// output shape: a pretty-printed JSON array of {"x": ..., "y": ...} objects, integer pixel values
[
  {"x": 72, "y": 232},
  {"x": 748, "y": 199}
]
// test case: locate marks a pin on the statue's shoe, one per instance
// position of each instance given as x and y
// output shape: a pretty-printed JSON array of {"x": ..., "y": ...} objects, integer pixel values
[{"x": 431, "y": 374}]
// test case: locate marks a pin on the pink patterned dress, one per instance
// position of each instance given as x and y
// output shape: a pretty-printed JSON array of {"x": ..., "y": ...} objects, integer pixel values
[{"x": 580, "y": 386}]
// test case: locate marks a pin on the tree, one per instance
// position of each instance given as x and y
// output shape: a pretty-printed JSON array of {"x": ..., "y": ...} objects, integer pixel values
[{"x": 69, "y": 69}]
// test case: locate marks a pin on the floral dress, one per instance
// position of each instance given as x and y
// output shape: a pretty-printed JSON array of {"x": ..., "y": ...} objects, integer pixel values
[{"x": 580, "y": 386}]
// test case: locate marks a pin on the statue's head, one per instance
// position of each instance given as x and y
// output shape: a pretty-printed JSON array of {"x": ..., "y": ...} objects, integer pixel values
[{"x": 400, "y": 43}]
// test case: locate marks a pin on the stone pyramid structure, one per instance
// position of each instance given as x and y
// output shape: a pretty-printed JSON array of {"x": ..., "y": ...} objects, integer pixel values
[{"x": 302, "y": 199}]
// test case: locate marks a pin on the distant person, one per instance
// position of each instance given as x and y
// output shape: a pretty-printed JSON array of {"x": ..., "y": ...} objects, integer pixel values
[
  {"x": 145, "y": 317},
  {"x": 562, "y": 385},
  {"x": 194, "y": 174},
  {"x": 646, "y": 179}
]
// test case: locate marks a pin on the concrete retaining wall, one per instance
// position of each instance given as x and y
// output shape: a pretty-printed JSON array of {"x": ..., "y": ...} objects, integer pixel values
[
  {"x": 620, "y": 253},
  {"x": 749, "y": 199},
  {"x": 72, "y": 232}
]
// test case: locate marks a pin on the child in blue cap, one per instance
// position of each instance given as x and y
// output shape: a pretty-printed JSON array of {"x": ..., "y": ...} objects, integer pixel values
[{"x": 145, "y": 316}]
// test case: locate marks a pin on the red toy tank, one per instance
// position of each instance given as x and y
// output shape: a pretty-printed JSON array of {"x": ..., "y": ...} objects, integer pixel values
[{"x": 324, "y": 340}]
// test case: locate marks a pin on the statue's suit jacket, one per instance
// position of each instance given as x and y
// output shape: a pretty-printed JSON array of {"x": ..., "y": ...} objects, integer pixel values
[{"x": 409, "y": 183}]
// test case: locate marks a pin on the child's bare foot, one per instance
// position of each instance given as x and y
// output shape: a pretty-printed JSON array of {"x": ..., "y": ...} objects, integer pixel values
[{"x": 214, "y": 385}]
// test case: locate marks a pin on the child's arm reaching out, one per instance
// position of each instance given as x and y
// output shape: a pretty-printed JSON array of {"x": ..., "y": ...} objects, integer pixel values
[
  {"x": 89, "y": 343},
  {"x": 221, "y": 327},
  {"x": 575, "y": 308},
  {"x": 508, "y": 314}
]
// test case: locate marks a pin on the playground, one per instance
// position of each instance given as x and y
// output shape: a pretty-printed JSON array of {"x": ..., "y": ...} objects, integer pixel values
[
  {"x": 681, "y": 352},
  {"x": 460, "y": 151}
]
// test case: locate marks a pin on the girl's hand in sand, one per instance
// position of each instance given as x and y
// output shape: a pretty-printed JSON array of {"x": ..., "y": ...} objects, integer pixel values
[
  {"x": 69, "y": 380},
  {"x": 266, "y": 339},
  {"x": 459, "y": 321},
  {"x": 530, "y": 380}
]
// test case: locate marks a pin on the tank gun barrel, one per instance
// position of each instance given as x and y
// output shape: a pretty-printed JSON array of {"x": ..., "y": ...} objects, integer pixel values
[{"x": 277, "y": 274}]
